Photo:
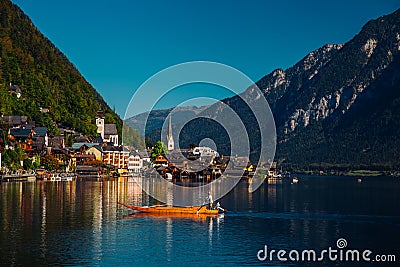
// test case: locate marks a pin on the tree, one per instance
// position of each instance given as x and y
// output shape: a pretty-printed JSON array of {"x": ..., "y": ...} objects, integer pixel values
[
  {"x": 69, "y": 139},
  {"x": 11, "y": 160},
  {"x": 158, "y": 149},
  {"x": 49, "y": 162},
  {"x": 131, "y": 137},
  {"x": 36, "y": 163},
  {"x": 27, "y": 164},
  {"x": 20, "y": 153},
  {"x": 46, "y": 77}
]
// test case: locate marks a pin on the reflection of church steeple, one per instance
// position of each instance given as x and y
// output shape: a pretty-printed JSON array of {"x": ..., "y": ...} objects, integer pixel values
[{"x": 170, "y": 139}]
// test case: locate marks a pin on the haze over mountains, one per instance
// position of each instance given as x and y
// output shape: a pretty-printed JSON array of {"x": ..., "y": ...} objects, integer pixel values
[
  {"x": 157, "y": 117},
  {"x": 337, "y": 107}
]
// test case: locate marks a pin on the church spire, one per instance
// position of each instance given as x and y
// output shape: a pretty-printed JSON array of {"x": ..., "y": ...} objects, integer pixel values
[
  {"x": 100, "y": 123},
  {"x": 170, "y": 139}
]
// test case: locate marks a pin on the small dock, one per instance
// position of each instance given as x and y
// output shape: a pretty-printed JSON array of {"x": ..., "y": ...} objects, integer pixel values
[{"x": 18, "y": 177}]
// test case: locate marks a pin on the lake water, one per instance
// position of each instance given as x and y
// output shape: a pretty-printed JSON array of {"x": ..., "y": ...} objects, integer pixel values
[{"x": 79, "y": 223}]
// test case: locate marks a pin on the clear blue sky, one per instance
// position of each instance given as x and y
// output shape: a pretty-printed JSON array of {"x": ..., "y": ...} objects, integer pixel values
[{"x": 119, "y": 44}]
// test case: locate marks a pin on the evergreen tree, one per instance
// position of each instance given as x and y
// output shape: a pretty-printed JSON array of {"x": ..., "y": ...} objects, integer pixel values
[{"x": 158, "y": 149}]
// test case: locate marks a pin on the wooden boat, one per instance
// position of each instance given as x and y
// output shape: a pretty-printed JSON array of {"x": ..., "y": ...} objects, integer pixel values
[
  {"x": 178, "y": 216},
  {"x": 160, "y": 209}
]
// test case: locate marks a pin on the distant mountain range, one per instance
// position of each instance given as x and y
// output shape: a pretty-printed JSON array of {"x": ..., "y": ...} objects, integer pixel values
[
  {"x": 37, "y": 79},
  {"x": 156, "y": 118},
  {"x": 338, "y": 107}
]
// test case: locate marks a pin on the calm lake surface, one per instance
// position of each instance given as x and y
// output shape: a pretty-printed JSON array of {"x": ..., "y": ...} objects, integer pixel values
[{"x": 79, "y": 223}]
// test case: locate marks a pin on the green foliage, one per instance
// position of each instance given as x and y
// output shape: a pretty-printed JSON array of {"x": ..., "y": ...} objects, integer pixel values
[
  {"x": 69, "y": 139},
  {"x": 36, "y": 163},
  {"x": 46, "y": 77},
  {"x": 131, "y": 137},
  {"x": 10, "y": 159},
  {"x": 49, "y": 162},
  {"x": 158, "y": 149},
  {"x": 28, "y": 164},
  {"x": 20, "y": 153}
]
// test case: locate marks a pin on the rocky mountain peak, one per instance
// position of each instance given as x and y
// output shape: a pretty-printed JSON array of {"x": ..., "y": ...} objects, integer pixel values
[{"x": 334, "y": 103}]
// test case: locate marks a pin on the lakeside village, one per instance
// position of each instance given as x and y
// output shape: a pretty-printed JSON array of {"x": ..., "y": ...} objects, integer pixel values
[{"x": 28, "y": 152}]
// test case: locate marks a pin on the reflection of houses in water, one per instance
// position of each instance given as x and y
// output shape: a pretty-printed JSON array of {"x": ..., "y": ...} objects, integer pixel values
[{"x": 131, "y": 192}]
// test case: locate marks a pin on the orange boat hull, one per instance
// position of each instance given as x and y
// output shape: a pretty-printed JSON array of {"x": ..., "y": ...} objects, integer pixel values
[
  {"x": 163, "y": 216},
  {"x": 172, "y": 210}
]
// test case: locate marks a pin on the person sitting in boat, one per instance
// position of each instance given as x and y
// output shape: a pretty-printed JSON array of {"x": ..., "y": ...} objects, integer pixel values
[{"x": 210, "y": 201}]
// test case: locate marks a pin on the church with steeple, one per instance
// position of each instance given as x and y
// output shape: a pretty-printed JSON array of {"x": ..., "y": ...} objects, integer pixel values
[
  {"x": 170, "y": 139},
  {"x": 108, "y": 132}
]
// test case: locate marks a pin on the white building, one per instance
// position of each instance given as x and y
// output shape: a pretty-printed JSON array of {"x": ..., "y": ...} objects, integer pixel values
[
  {"x": 110, "y": 134},
  {"x": 204, "y": 151},
  {"x": 117, "y": 156},
  {"x": 135, "y": 162}
]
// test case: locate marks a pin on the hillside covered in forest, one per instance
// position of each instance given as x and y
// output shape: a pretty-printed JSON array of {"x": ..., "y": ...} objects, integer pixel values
[{"x": 38, "y": 80}]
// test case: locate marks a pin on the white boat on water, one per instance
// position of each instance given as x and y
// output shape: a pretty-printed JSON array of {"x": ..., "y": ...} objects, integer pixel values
[
  {"x": 168, "y": 176},
  {"x": 55, "y": 178},
  {"x": 63, "y": 177}
]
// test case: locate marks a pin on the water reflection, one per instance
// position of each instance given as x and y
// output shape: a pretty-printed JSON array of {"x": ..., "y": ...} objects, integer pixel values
[
  {"x": 43, "y": 244},
  {"x": 64, "y": 209},
  {"x": 169, "y": 239},
  {"x": 75, "y": 223}
]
